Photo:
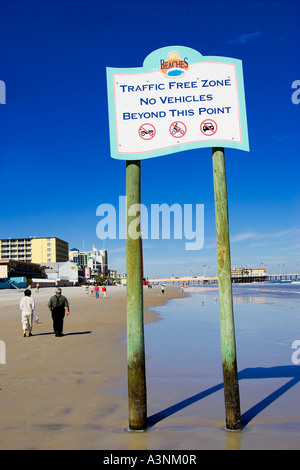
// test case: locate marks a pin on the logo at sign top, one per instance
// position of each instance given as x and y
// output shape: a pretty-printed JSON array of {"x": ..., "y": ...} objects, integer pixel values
[{"x": 174, "y": 66}]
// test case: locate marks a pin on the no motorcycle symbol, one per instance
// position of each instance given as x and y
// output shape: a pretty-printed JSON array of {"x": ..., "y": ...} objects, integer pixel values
[
  {"x": 177, "y": 129},
  {"x": 208, "y": 127},
  {"x": 147, "y": 131}
]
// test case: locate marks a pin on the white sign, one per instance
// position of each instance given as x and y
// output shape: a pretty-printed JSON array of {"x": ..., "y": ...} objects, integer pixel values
[{"x": 178, "y": 101}]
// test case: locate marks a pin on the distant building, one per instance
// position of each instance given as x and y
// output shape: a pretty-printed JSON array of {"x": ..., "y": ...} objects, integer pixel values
[
  {"x": 34, "y": 250},
  {"x": 77, "y": 257},
  {"x": 258, "y": 271},
  {"x": 12, "y": 268},
  {"x": 248, "y": 274},
  {"x": 242, "y": 271},
  {"x": 113, "y": 274},
  {"x": 64, "y": 271},
  {"x": 95, "y": 260}
]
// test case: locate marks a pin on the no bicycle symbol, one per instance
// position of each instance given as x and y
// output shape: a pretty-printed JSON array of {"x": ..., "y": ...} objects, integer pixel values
[
  {"x": 177, "y": 129},
  {"x": 147, "y": 131},
  {"x": 208, "y": 127}
]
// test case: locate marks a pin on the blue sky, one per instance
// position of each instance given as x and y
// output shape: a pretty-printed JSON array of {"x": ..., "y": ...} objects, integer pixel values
[{"x": 56, "y": 167}]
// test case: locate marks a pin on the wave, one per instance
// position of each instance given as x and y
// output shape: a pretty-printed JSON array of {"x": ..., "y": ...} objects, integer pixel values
[{"x": 255, "y": 289}]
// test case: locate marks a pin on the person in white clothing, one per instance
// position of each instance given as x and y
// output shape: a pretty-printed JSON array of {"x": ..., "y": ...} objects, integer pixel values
[{"x": 27, "y": 307}]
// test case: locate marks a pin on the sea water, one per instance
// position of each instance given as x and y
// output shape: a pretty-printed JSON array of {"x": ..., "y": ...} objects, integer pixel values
[
  {"x": 184, "y": 363},
  {"x": 267, "y": 322}
]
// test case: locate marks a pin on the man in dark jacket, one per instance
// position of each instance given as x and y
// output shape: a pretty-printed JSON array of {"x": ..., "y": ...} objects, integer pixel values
[{"x": 57, "y": 305}]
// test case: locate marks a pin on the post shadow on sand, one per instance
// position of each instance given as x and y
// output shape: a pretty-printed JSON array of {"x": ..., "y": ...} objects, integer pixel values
[{"x": 292, "y": 372}]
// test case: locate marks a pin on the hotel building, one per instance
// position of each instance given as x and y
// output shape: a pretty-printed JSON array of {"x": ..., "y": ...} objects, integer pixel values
[{"x": 34, "y": 250}]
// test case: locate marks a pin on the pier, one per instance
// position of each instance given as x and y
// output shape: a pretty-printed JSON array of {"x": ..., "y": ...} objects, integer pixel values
[
  {"x": 282, "y": 277},
  {"x": 185, "y": 280},
  {"x": 235, "y": 278}
]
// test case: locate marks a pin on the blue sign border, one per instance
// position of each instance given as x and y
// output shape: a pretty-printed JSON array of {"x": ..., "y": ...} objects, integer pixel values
[{"x": 151, "y": 64}]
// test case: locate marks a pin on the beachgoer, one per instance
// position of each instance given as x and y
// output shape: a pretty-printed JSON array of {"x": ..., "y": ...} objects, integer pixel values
[
  {"x": 162, "y": 288},
  {"x": 57, "y": 305},
  {"x": 96, "y": 289},
  {"x": 103, "y": 291},
  {"x": 27, "y": 307}
]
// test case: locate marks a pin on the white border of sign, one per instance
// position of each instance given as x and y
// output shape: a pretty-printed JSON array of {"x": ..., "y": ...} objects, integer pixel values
[{"x": 190, "y": 88}]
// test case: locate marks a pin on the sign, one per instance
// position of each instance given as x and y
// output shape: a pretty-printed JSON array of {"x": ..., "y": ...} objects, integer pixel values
[{"x": 178, "y": 100}]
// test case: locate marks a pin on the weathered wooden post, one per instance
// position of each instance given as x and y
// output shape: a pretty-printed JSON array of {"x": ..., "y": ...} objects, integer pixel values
[
  {"x": 229, "y": 362},
  {"x": 137, "y": 400}
]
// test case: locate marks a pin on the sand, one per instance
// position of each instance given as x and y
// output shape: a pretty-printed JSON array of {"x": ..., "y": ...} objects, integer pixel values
[{"x": 70, "y": 393}]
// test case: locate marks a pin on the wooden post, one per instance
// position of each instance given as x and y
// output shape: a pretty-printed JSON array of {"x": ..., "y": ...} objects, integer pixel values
[
  {"x": 229, "y": 363},
  {"x": 135, "y": 321}
]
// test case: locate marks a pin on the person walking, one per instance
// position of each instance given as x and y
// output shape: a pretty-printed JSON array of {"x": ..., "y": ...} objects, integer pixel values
[
  {"x": 27, "y": 306},
  {"x": 103, "y": 292},
  {"x": 96, "y": 289},
  {"x": 57, "y": 305}
]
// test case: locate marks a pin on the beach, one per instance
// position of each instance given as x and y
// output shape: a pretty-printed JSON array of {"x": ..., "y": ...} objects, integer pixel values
[{"x": 70, "y": 393}]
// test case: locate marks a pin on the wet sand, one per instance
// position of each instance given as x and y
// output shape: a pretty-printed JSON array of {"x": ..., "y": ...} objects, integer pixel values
[{"x": 70, "y": 393}]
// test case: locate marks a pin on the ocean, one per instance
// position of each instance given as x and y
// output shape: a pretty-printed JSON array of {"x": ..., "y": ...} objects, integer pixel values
[
  {"x": 184, "y": 366},
  {"x": 267, "y": 322}
]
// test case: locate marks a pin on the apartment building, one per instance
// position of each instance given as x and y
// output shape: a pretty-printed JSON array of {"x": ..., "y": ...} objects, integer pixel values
[
  {"x": 96, "y": 259},
  {"x": 34, "y": 249}
]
